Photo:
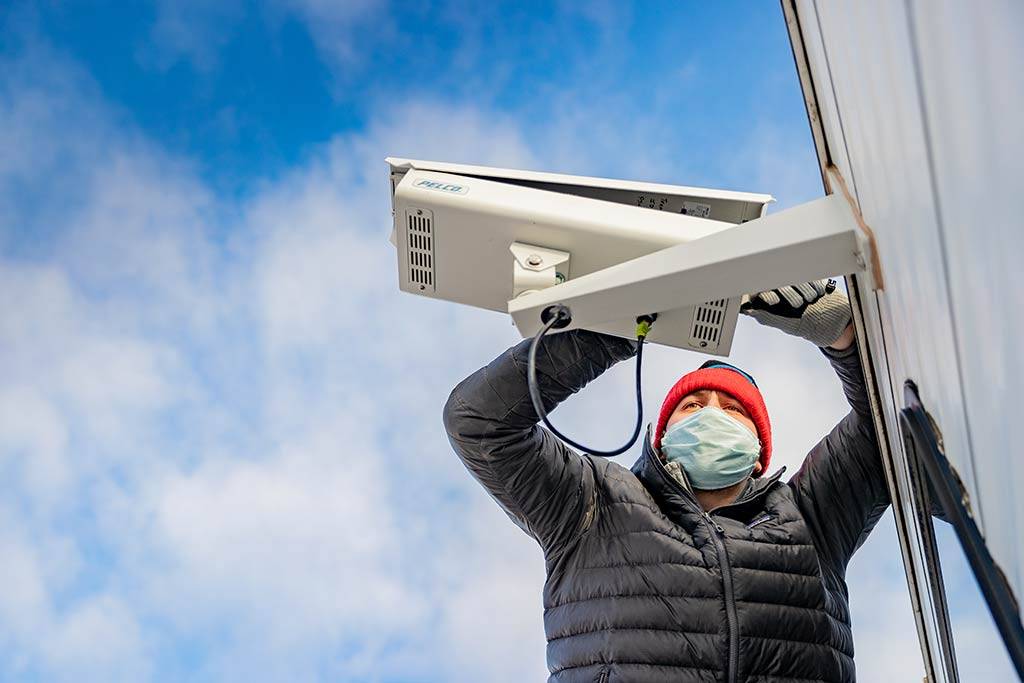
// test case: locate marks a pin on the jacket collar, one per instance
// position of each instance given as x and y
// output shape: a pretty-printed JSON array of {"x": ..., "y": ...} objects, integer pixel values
[{"x": 671, "y": 496}]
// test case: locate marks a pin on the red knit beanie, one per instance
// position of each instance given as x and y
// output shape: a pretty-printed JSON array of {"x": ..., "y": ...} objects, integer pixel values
[{"x": 733, "y": 381}]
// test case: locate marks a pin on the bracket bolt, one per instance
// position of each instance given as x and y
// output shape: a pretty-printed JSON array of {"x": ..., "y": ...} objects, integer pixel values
[{"x": 534, "y": 260}]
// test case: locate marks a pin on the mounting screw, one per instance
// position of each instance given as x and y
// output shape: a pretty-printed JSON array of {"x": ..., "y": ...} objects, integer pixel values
[
  {"x": 423, "y": 287},
  {"x": 419, "y": 212},
  {"x": 534, "y": 260}
]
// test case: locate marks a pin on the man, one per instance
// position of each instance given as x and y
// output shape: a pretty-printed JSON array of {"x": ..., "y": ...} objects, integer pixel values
[{"x": 693, "y": 565}]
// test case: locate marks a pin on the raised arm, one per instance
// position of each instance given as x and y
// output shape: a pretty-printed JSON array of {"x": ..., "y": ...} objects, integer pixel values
[
  {"x": 542, "y": 484},
  {"x": 841, "y": 486}
]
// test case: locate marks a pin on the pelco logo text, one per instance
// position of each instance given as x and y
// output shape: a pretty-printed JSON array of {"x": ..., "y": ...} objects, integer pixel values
[{"x": 443, "y": 187}]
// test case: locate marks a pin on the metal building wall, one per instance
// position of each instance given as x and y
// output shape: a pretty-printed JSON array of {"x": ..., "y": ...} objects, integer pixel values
[{"x": 921, "y": 107}]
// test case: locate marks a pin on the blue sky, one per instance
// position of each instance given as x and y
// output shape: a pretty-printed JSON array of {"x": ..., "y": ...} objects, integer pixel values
[
  {"x": 220, "y": 434},
  {"x": 247, "y": 91}
]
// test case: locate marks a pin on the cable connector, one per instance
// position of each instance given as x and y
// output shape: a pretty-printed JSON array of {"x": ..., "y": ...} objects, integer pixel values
[
  {"x": 644, "y": 323},
  {"x": 561, "y": 314}
]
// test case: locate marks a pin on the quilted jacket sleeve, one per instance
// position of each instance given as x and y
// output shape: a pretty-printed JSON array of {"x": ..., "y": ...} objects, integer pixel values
[
  {"x": 542, "y": 484},
  {"x": 841, "y": 488}
]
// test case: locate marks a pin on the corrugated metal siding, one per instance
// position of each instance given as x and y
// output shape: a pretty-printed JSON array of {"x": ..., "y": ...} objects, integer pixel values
[
  {"x": 923, "y": 111},
  {"x": 971, "y": 58}
]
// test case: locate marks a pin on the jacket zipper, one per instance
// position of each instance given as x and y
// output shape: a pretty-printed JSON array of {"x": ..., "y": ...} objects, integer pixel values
[{"x": 717, "y": 533}]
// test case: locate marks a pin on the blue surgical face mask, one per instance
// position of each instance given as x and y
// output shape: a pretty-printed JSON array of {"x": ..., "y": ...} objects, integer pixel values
[{"x": 713, "y": 449}]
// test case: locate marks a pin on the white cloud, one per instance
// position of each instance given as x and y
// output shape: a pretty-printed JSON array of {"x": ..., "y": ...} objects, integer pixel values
[
  {"x": 335, "y": 26},
  {"x": 189, "y": 30},
  {"x": 782, "y": 162},
  {"x": 97, "y": 638},
  {"x": 71, "y": 376},
  {"x": 33, "y": 439},
  {"x": 196, "y": 32},
  {"x": 275, "y": 517},
  {"x": 23, "y": 600},
  {"x": 301, "y": 541},
  {"x": 221, "y": 420},
  {"x": 494, "y": 611}
]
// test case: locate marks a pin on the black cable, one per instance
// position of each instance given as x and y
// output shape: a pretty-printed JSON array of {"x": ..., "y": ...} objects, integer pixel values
[{"x": 557, "y": 317}]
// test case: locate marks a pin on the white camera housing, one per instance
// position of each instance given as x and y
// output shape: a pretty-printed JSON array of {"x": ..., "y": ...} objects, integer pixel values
[
  {"x": 487, "y": 237},
  {"x": 610, "y": 250}
]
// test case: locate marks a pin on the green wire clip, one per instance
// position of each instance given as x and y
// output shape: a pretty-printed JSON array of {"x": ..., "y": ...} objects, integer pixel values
[{"x": 643, "y": 325}]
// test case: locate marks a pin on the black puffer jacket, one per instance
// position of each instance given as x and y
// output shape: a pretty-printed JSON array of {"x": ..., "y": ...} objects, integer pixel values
[{"x": 641, "y": 584}]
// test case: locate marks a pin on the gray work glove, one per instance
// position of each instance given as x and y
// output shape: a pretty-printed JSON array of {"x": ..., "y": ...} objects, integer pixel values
[{"x": 814, "y": 311}]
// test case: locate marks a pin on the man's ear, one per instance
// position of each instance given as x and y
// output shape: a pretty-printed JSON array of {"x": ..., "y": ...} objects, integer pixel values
[{"x": 757, "y": 468}]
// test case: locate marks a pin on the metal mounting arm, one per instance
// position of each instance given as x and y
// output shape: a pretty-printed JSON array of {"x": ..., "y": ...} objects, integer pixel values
[{"x": 808, "y": 242}]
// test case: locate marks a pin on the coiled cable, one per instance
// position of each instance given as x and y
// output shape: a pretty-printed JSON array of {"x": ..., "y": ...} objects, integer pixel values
[{"x": 559, "y": 316}]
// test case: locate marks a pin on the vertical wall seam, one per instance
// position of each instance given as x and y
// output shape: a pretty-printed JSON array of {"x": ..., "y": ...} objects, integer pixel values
[
  {"x": 933, "y": 182},
  {"x": 835, "y": 98}
]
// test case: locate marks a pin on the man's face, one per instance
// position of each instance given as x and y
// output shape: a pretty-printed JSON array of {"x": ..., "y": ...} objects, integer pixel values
[{"x": 691, "y": 403}]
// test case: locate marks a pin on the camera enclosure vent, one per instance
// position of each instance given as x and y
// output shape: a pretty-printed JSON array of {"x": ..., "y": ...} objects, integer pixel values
[
  {"x": 419, "y": 240},
  {"x": 708, "y": 318}
]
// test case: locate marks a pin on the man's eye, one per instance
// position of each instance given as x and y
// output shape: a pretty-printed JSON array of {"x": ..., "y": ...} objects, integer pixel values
[
  {"x": 690, "y": 404},
  {"x": 736, "y": 408}
]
